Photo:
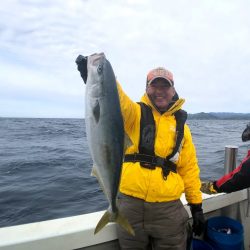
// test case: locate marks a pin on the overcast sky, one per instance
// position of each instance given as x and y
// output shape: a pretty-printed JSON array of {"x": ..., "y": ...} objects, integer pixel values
[{"x": 205, "y": 43}]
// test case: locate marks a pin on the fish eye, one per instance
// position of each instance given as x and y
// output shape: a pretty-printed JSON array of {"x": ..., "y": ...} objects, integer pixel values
[{"x": 100, "y": 68}]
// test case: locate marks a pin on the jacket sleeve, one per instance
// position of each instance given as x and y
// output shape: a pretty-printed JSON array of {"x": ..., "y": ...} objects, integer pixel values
[
  {"x": 188, "y": 168},
  {"x": 129, "y": 109},
  {"x": 235, "y": 180}
]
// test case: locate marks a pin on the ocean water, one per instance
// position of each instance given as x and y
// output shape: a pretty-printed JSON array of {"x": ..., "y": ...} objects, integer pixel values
[{"x": 45, "y": 166}]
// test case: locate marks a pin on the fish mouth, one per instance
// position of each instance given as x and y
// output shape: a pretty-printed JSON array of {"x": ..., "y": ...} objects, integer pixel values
[{"x": 97, "y": 58}]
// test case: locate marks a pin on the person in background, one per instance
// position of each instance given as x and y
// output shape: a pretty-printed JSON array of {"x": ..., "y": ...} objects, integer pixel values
[
  {"x": 236, "y": 180},
  {"x": 160, "y": 165}
]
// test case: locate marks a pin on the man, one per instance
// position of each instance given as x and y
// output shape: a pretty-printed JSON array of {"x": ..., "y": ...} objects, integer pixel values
[
  {"x": 236, "y": 180},
  {"x": 160, "y": 165}
]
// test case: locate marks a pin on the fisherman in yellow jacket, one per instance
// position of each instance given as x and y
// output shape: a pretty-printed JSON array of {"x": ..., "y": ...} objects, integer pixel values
[{"x": 158, "y": 167}]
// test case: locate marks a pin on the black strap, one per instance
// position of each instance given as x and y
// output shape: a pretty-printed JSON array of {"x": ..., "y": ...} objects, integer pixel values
[
  {"x": 180, "y": 117},
  {"x": 147, "y": 130},
  {"x": 151, "y": 162},
  {"x": 146, "y": 155}
]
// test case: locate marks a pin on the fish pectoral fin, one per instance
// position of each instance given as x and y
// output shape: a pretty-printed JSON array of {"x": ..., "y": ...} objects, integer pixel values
[
  {"x": 96, "y": 111},
  {"x": 103, "y": 222},
  {"x": 127, "y": 141},
  {"x": 123, "y": 222},
  {"x": 119, "y": 219}
]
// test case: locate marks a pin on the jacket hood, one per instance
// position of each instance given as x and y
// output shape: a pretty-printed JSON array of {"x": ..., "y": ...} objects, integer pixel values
[{"x": 171, "y": 110}]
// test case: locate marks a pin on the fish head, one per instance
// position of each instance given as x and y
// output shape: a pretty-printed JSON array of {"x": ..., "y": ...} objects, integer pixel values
[{"x": 95, "y": 82}]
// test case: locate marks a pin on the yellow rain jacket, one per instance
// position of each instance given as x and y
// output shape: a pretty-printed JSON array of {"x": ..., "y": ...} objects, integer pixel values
[{"x": 148, "y": 184}]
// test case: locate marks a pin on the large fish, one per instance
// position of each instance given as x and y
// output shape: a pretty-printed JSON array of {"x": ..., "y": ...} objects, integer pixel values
[{"x": 105, "y": 134}]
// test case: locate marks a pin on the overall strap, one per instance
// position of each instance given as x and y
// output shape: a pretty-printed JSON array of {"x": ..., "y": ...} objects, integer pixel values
[
  {"x": 147, "y": 132},
  {"x": 146, "y": 155},
  {"x": 180, "y": 117}
]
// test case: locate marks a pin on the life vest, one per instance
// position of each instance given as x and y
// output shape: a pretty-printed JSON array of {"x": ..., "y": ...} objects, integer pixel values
[{"x": 146, "y": 155}]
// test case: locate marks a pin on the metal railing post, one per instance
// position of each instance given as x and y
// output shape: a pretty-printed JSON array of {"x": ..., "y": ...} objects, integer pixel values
[
  {"x": 230, "y": 165},
  {"x": 230, "y": 158}
]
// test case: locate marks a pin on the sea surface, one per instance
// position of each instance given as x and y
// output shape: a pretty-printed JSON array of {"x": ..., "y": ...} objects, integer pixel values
[{"x": 45, "y": 165}]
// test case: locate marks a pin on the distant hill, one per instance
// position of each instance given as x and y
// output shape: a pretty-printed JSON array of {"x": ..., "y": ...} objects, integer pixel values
[{"x": 219, "y": 116}]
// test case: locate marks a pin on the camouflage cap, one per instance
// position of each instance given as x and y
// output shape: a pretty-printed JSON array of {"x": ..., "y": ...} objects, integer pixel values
[{"x": 160, "y": 72}]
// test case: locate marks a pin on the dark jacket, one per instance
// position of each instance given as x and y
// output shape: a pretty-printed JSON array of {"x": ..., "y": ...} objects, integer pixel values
[{"x": 237, "y": 179}]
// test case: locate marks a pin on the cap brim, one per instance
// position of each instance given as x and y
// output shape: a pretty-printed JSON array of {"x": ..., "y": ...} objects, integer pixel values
[{"x": 160, "y": 77}]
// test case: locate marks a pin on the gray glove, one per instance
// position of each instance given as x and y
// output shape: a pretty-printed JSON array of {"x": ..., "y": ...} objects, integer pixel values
[{"x": 198, "y": 219}]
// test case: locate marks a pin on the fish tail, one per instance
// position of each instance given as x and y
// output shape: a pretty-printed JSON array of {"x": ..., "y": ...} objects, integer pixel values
[
  {"x": 103, "y": 222},
  {"x": 123, "y": 222},
  {"x": 119, "y": 219}
]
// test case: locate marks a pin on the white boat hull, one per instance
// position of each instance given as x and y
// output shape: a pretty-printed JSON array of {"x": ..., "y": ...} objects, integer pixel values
[{"x": 77, "y": 232}]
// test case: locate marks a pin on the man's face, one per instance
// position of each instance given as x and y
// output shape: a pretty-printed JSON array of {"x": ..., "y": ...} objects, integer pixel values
[{"x": 160, "y": 93}]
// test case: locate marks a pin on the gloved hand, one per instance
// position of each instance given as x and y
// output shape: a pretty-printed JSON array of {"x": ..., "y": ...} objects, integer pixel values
[
  {"x": 209, "y": 187},
  {"x": 81, "y": 62},
  {"x": 198, "y": 219}
]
